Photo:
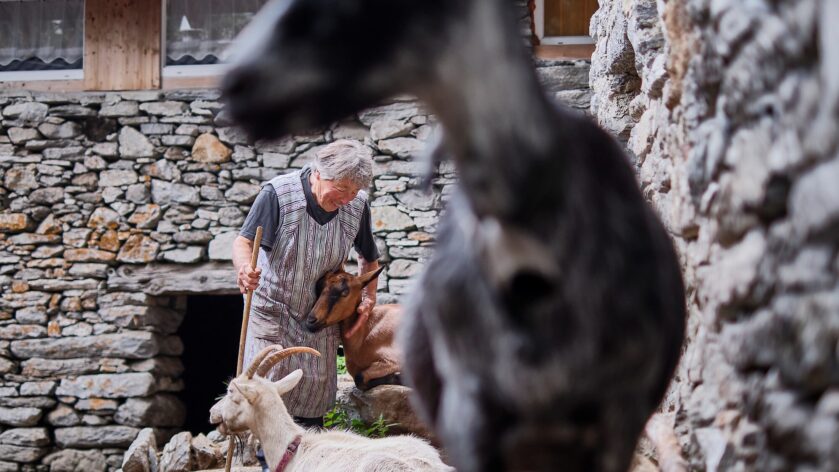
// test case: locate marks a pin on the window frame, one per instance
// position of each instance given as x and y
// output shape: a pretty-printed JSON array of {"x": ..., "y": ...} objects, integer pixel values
[
  {"x": 14, "y": 79},
  {"x": 73, "y": 80},
  {"x": 539, "y": 30},
  {"x": 186, "y": 76}
]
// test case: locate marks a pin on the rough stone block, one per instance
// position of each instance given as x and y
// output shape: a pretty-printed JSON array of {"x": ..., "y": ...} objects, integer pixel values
[
  {"x": 22, "y": 453},
  {"x": 142, "y": 454},
  {"x": 55, "y": 367},
  {"x": 46, "y": 388},
  {"x": 164, "y": 193},
  {"x": 13, "y": 222},
  {"x": 133, "y": 144},
  {"x": 103, "y": 218},
  {"x": 159, "y": 319},
  {"x": 814, "y": 201},
  {"x": 402, "y": 148},
  {"x": 25, "y": 402},
  {"x": 27, "y": 239},
  {"x": 65, "y": 130},
  {"x": 108, "y": 386},
  {"x": 31, "y": 437},
  {"x": 160, "y": 366},
  {"x": 243, "y": 193},
  {"x": 21, "y": 179},
  {"x": 156, "y": 128},
  {"x": 22, "y": 135},
  {"x": 162, "y": 410},
  {"x": 88, "y": 255},
  {"x": 389, "y": 218},
  {"x": 77, "y": 461},
  {"x": 20, "y": 416},
  {"x": 127, "y": 344},
  {"x": 403, "y": 268},
  {"x": 399, "y": 111},
  {"x": 221, "y": 247},
  {"x": 138, "y": 249},
  {"x": 176, "y": 455},
  {"x": 63, "y": 415},
  {"x": 97, "y": 406},
  {"x": 31, "y": 112},
  {"x": 117, "y": 177},
  {"x": 125, "y": 108},
  {"x": 89, "y": 270},
  {"x": 167, "y": 108},
  {"x": 209, "y": 149},
  {"x": 16, "y": 331},
  {"x": 275, "y": 160},
  {"x": 205, "y": 454},
  {"x": 386, "y": 129}
]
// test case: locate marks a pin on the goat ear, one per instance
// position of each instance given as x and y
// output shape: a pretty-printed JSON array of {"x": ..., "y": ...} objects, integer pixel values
[
  {"x": 288, "y": 382},
  {"x": 369, "y": 276}
]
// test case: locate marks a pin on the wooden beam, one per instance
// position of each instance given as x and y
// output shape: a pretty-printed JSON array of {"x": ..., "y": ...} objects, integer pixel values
[
  {"x": 44, "y": 85},
  {"x": 212, "y": 278},
  {"x": 122, "y": 44},
  {"x": 564, "y": 51},
  {"x": 207, "y": 81}
]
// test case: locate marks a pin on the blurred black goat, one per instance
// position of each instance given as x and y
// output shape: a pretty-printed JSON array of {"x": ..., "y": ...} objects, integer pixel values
[{"x": 547, "y": 326}]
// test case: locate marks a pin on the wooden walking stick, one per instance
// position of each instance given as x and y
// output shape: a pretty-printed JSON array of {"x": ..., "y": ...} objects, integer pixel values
[{"x": 243, "y": 335}]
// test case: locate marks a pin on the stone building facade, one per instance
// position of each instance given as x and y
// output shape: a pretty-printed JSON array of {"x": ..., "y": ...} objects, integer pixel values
[
  {"x": 731, "y": 109},
  {"x": 114, "y": 207}
]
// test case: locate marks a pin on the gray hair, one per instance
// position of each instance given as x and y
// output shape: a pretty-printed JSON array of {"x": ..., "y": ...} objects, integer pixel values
[{"x": 345, "y": 159}]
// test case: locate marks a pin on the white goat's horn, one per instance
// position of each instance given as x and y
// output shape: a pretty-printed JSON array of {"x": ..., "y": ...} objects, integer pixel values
[
  {"x": 269, "y": 362},
  {"x": 259, "y": 357}
]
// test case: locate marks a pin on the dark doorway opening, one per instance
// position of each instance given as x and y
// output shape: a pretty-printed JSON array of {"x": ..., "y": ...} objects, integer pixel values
[{"x": 210, "y": 333}]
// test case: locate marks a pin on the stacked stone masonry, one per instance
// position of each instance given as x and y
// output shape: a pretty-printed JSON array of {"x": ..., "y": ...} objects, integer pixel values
[
  {"x": 114, "y": 206},
  {"x": 731, "y": 109}
]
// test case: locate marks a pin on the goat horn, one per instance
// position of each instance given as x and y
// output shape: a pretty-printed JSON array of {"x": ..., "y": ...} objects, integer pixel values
[
  {"x": 271, "y": 360},
  {"x": 259, "y": 357}
]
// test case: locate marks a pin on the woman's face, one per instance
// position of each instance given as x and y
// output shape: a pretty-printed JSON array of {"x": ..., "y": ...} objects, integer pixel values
[{"x": 334, "y": 194}]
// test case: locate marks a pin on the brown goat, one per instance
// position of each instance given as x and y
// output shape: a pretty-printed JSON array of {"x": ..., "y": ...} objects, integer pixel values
[{"x": 371, "y": 356}]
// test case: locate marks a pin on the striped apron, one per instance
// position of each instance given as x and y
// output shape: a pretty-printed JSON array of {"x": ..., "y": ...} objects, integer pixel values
[{"x": 303, "y": 252}]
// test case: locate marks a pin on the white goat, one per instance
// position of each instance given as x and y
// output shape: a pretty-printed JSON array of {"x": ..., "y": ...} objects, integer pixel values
[{"x": 254, "y": 403}]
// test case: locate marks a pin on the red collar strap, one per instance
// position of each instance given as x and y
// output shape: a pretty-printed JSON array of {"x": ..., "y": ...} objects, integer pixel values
[{"x": 289, "y": 454}]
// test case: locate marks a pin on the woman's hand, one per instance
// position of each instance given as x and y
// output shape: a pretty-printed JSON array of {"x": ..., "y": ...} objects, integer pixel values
[
  {"x": 364, "y": 309},
  {"x": 248, "y": 278}
]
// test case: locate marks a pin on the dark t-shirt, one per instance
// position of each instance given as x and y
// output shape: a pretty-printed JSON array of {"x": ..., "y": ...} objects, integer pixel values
[{"x": 265, "y": 212}]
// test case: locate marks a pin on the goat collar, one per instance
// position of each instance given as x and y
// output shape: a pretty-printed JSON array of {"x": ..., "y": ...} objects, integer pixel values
[{"x": 289, "y": 454}]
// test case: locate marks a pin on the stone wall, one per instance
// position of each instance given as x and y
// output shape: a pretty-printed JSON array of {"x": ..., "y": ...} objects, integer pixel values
[
  {"x": 113, "y": 206},
  {"x": 730, "y": 109}
]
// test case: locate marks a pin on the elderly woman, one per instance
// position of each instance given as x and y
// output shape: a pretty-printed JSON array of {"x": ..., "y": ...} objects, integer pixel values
[{"x": 310, "y": 219}]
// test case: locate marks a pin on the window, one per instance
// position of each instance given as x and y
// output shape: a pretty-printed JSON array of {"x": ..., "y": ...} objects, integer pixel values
[
  {"x": 563, "y": 21},
  {"x": 199, "y": 31},
  {"x": 41, "y": 35}
]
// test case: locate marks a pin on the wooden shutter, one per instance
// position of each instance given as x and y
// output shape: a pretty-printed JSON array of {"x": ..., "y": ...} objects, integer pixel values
[
  {"x": 122, "y": 44},
  {"x": 568, "y": 17}
]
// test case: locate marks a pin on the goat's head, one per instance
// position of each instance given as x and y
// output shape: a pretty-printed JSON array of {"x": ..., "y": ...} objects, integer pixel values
[
  {"x": 235, "y": 412},
  {"x": 307, "y": 63},
  {"x": 339, "y": 294}
]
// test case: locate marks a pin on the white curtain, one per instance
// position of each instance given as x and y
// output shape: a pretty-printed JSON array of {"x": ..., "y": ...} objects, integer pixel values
[
  {"x": 40, "y": 34},
  {"x": 198, "y": 31}
]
